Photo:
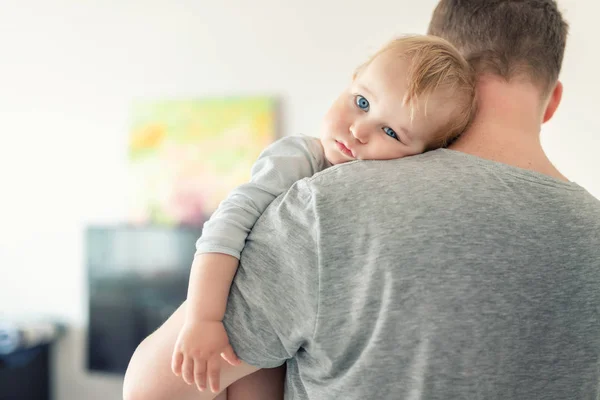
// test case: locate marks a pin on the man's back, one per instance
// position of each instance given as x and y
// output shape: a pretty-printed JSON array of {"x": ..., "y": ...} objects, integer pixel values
[{"x": 442, "y": 276}]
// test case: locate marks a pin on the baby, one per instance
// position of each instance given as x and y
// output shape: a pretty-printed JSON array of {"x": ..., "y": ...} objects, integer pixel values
[{"x": 415, "y": 94}]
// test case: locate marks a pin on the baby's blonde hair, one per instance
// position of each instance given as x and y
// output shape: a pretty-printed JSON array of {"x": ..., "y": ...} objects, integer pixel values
[{"x": 435, "y": 67}]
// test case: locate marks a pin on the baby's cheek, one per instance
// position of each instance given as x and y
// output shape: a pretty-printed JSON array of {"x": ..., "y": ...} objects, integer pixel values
[
  {"x": 329, "y": 126},
  {"x": 336, "y": 114},
  {"x": 329, "y": 118}
]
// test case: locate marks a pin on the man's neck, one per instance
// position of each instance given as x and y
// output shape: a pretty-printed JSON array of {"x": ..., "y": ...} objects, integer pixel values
[{"x": 507, "y": 127}]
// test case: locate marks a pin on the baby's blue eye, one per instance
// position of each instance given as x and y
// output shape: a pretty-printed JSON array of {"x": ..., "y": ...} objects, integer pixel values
[
  {"x": 390, "y": 132},
  {"x": 362, "y": 103}
]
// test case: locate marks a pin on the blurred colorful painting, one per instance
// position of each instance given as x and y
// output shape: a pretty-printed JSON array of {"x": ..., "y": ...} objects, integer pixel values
[{"x": 186, "y": 156}]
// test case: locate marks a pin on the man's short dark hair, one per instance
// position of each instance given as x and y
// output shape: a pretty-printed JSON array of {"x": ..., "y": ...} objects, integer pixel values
[{"x": 507, "y": 38}]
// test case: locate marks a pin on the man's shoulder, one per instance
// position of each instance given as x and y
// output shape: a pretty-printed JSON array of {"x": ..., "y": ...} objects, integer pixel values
[
  {"x": 426, "y": 179},
  {"x": 353, "y": 174}
]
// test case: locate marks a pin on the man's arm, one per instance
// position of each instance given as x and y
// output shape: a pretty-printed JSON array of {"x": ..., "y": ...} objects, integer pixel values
[{"x": 272, "y": 306}]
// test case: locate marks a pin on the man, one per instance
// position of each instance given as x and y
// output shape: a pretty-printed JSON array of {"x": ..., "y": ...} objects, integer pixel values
[{"x": 464, "y": 273}]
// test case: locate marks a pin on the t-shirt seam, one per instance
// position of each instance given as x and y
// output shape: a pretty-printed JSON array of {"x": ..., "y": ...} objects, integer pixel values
[{"x": 318, "y": 279}]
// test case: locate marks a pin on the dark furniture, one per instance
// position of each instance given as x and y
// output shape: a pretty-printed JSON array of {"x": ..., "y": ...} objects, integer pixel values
[
  {"x": 137, "y": 276},
  {"x": 24, "y": 374}
]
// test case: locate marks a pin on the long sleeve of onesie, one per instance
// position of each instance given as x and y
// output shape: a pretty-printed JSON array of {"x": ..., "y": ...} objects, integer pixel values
[{"x": 278, "y": 167}]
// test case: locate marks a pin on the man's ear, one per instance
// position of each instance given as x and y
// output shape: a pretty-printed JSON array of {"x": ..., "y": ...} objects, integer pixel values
[{"x": 553, "y": 102}]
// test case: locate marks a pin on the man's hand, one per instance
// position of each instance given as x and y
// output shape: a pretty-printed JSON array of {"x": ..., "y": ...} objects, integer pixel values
[{"x": 198, "y": 351}]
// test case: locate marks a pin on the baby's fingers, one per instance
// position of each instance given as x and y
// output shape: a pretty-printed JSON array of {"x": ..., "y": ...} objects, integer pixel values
[
  {"x": 200, "y": 374},
  {"x": 214, "y": 374},
  {"x": 176, "y": 362},
  {"x": 229, "y": 355},
  {"x": 188, "y": 370}
]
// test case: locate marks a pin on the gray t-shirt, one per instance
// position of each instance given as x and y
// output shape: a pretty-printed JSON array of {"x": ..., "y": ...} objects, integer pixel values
[{"x": 439, "y": 276}]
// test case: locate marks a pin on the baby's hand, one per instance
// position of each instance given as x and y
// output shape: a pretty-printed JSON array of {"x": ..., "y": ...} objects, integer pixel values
[{"x": 198, "y": 352}]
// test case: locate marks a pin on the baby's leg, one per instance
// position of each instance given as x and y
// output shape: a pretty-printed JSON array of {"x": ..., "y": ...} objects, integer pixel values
[
  {"x": 222, "y": 396},
  {"x": 264, "y": 384},
  {"x": 149, "y": 375}
]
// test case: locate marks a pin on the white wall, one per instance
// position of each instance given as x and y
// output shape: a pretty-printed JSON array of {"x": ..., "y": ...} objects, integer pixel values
[{"x": 69, "y": 71}]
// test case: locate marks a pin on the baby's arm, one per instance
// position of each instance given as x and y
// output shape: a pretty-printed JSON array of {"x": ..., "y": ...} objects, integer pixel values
[
  {"x": 203, "y": 338},
  {"x": 278, "y": 167}
]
